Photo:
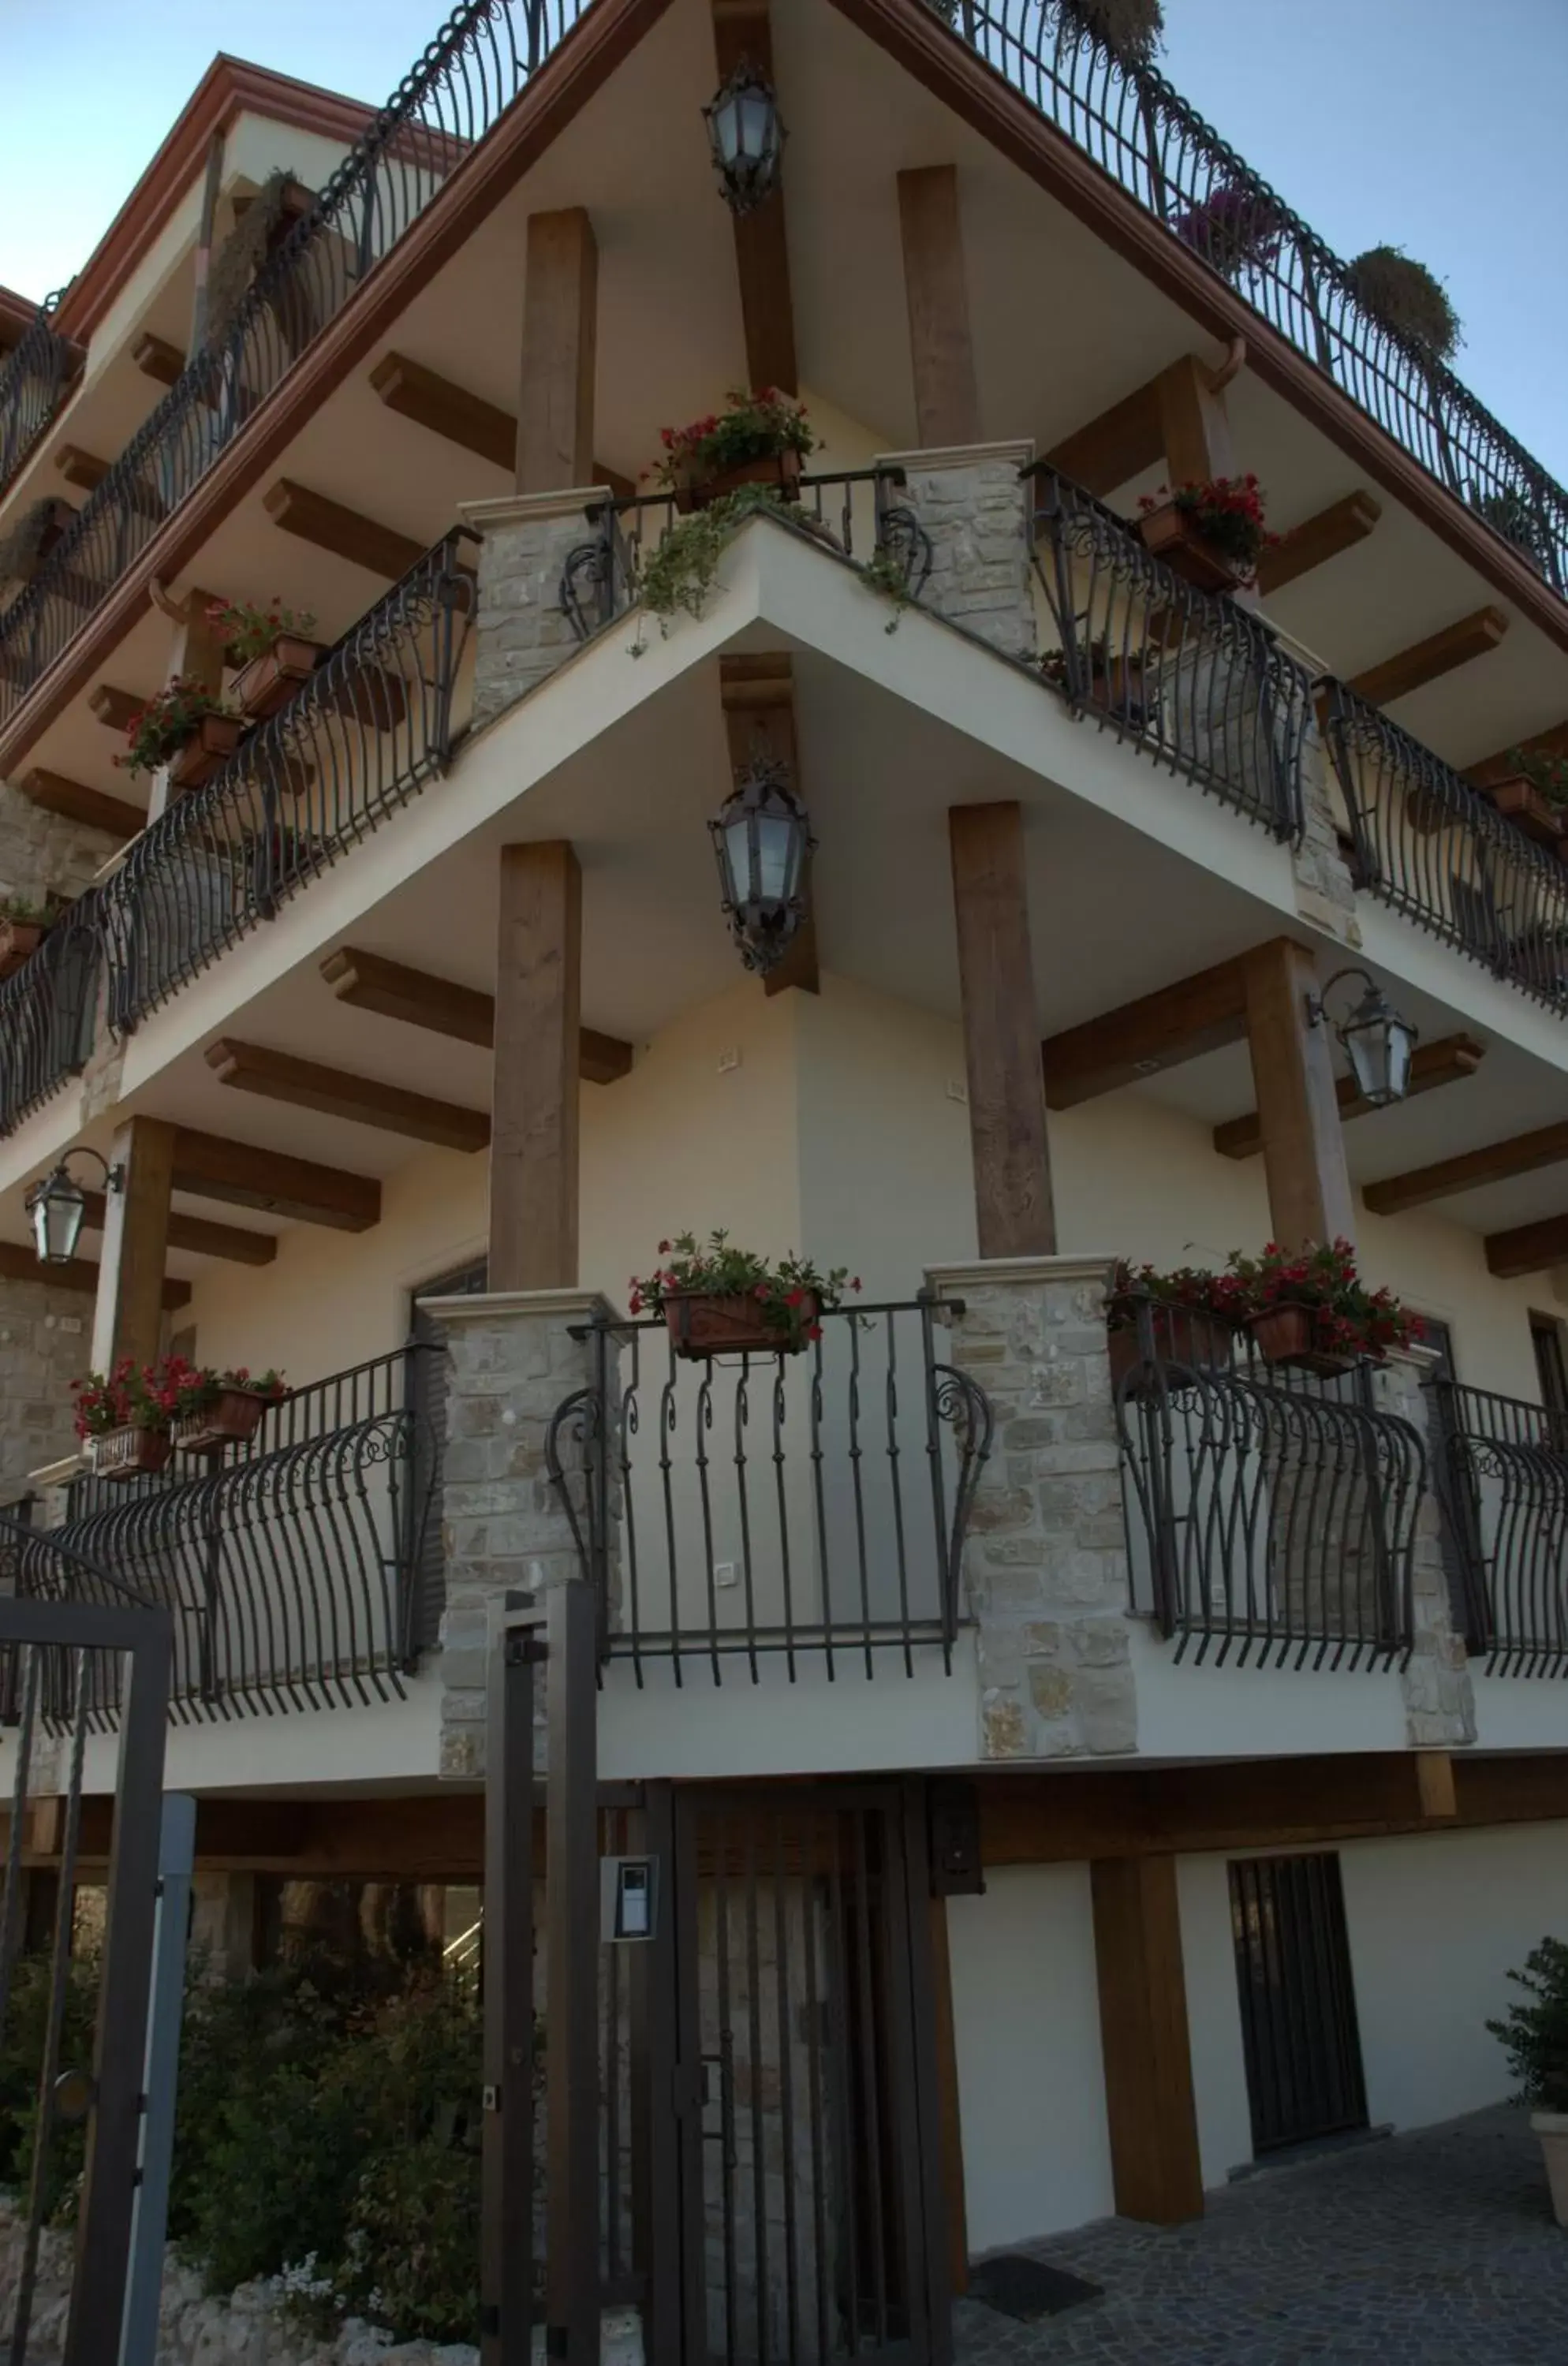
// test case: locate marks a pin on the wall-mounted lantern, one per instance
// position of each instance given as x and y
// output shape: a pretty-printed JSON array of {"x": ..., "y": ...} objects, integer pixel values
[
  {"x": 747, "y": 136},
  {"x": 57, "y": 1206},
  {"x": 761, "y": 836},
  {"x": 1378, "y": 1042}
]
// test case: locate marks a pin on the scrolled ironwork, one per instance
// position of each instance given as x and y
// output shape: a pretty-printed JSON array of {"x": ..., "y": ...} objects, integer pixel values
[
  {"x": 34, "y": 378},
  {"x": 47, "y": 1010},
  {"x": 1502, "y": 1474}
]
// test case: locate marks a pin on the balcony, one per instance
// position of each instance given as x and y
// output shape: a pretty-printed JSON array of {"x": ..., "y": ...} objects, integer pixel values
[
  {"x": 48, "y": 1011},
  {"x": 296, "y": 1569},
  {"x": 38, "y": 374},
  {"x": 1272, "y": 1516},
  {"x": 1504, "y": 1482},
  {"x": 809, "y": 1506}
]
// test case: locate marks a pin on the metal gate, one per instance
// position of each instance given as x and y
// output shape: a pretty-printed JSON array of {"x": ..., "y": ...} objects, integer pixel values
[
  {"x": 1298, "y": 2001},
  {"x": 79, "y": 1653}
]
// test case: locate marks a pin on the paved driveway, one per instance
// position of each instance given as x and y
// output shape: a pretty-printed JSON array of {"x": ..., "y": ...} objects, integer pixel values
[{"x": 1433, "y": 2249}]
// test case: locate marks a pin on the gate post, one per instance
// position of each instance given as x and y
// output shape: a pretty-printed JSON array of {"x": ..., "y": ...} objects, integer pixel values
[
  {"x": 571, "y": 1999},
  {"x": 506, "y": 1962},
  {"x": 149, "y": 2224}
]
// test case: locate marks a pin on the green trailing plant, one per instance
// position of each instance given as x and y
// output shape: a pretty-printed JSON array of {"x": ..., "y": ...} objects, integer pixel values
[
  {"x": 678, "y": 574},
  {"x": 1132, "y": 30},
  {"x": 1406, "y": 299},
  {"x": 1515, "y": 517},
  {"x": 31, "y": 911},
  {"x": 884, "y": 574},
  {"x": 1534, "y": 2034},
  {"x": 159, "y": 730},
  {"x": 789, "y": 1294}
]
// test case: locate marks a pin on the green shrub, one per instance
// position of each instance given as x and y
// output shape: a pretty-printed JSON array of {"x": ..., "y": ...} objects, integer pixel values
[
  {"x": 1535, "y": 2035},
  {"x": 20, "y": 2053}
]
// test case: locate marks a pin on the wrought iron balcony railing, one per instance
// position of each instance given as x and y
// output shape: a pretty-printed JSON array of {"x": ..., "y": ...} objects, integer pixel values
[
  {"x": 361, "y": 737},
  {"x": 47, "y": 1010},
  {"x": 34, "y": 379},
  {"x": 1504, "y": 1482},
  {"x": 808, "y": 1504},
  {"x": 1427, "y": 842},
  {"x": 472, "y": 72},
  {"x": 1194, "y": 679},
  {"x": 293, "y": 1567},
  {"x": 1142, "y": 134},
  {"x": 1271, "y": 1517},
  {"x": 857, "y": 515}
]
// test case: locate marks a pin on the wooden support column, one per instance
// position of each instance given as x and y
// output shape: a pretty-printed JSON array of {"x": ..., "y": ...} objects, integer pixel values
[
  {"x": 942, "y": 353},
  {"x": 560, "y": 310},
  {"x": 533, "y": 1121},
  {"x": 1013, "y": 1211},
  {"x": 1298, "y": 1103},
  {"x": 742, "y": 35},
  {"x": 1194, "y": 428},
  {"x": 1143, "y": 2035},
  {"x": 758, "y": 696},
  {"x": 127, "y": 1318}
]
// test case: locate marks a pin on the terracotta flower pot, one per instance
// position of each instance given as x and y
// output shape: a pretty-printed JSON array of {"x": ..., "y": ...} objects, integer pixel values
[
  {"x": 1119, "y": 682},
  {"x": 269, "y": 681},
  {"x": 1287, "y": 1335},
  {"x": 701, "y": 1325},
  {"x": 1519, "y": 801},
  {"x": 233, "y": 1416},
  {"x": 1172, "y": 535},
  {"x": 20, "y": 940},
  {"x": 780, "y": 472},
  {"x": 213, "y": 741},
  {"x": 129, "y": 1453},
  {"x": 1181, "y": 1335},
  {"x": 1552, "y": 2127}
]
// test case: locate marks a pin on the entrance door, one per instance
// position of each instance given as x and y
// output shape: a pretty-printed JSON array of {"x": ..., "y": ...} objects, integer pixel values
[
  {"x": 811, "y": 2213},
  {"x": 1298, "y": 2001}
]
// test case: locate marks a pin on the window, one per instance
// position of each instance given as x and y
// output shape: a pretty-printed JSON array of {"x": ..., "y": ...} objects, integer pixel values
[{"x": 1551, "y": 1366}]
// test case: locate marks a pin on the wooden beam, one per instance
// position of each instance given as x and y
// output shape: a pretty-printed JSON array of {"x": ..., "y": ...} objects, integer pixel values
[
  {"x": 1338, "y": 527},
  {"x": 362, "y": 1101},
  {"x": 1013, "y": 1211},
  {"x": 1197, "y": 1014},
  {"x": 127, "y": 1317},
  {"x": 1442, "y": 1062},
  {"x": 1195, "y": 433},
  {"x": 52, "y": 792},
  {"x": 198, "y": 1234},
  {"x": 1428, "y": 660},
  {"x": 560, "y": 324},
  {"x": 1521, "y": 1153},
  {"x": 1527, "y": 1248},
  {"x": 116, "y": 708},
  {"x": 741, "y": 31},
  {"x": 1554, "y": 741},
  {"x": 448, "y": 409},
  {"x": 936, "y": 289},
  {"x": 1150, "y": 2113},
  {"x": 1435, "y": 1784},
  {"x": 20, "y": 1264},
  {"x": 536, "y": 1097},
  {"x": 1292, "y": 1075},
  {"x": 369, "y": 982},
  {"x": 345, "y": 531},
  {"x": 209, "y": 1166},
  {"x": 81, "y": 468},
  {"x": 1120, "y": 444},
  {"x": 756, "y": 694},
  {"x": 156, "y": 358}
]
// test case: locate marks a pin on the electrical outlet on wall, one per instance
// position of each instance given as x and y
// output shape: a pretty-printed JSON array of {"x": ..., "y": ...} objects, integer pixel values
[
  {"x": 728, "y": 1058},
  {"x": 726, "y": 1573},
  {"x": 958, "y": 1090}
]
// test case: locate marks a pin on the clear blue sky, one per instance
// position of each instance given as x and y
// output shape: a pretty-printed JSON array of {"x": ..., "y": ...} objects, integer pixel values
[{"x": 1436, "y": 125}]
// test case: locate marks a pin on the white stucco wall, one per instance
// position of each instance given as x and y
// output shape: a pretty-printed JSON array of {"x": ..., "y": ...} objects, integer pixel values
[
  {"x": 1213, "y": 2017},
  {"x": 1031, "y": 2080}
]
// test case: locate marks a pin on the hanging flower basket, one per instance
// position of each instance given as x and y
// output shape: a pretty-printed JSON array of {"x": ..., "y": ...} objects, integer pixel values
[
  {"x": 128, "y": 1453},
  {"x": 779, "y": 471},
  {"x": 1178, "y": 1335},
  {"x": 214, "y": 740},
  {"x": 1518, "y": 800},
  {"x": 270, "y": 680},
  {"x": 730, "y": 1324},
  {"x": 1286, "y": 1334},
  {"x": 760, "y": 438},
  {"x": 232, "y": 1418},
  {"x": 1172, "y": 535}
]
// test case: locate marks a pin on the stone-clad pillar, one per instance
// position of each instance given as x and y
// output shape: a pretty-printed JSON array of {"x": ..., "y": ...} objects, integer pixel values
[
  {"x": 524, "y": 632},
  {"x": 975, "y": 505},
  {"x": 1326, "y": 894},
  {"x": 1045, "y": 1565},
  {"x": 1440, "y": 1698},
  {"x": 511, "y": 1361}
]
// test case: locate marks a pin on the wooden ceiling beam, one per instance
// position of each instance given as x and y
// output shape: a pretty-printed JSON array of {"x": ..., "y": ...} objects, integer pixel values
[
  {"x": 1528, "y": 1248},
  {"x": 1521, "y": 1153},
  {"x": 742, "y": 30},
  {"x": 1442, "y": 1062},
  {"x": 1117, "y": 447},
  {"x": 157, "y": 359},
  {"x": 1197, "y": 1014},
  {"x": 417, "y": 997},
  {"x": 756, "y": 694},
  {"x": 1340, "y": 527},
  {"x": 75, "y": 801},
  {"x": 333, "y": 1092},
  {"x": 115, "y": 709},
  {"x": 211, "y": 1166},
  {"x": 18, "y": 1264},
  {"x": 86, "y": 472},
  {"x": 198, "y": 1234},
  {"x": 449, "y": 409},
  {"x": 346, "y": 533},
  {"x": 1554, "y": 741},
  {"x": 1428, "y": 660}
]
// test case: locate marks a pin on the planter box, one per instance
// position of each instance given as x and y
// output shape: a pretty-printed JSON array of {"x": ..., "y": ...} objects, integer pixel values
[
  {"x": 270, "y": 680},
  {"x": 1170, "y": 534},
  {"x": 701, "y": 1325},
  {"x": 1520, "y": 802},
  {"x": 1287, "y": 1335},
  {"x": 780, "y": 472},
  {"x": 20, "y": 940},
  {"x": 233, "y": 1416},
  {"x": 1552, "y": 2127},
  {"x": 1180, "y": 1335},
  {"x": 128, "y": 1453},
  {"x": 213, "y": 742}
]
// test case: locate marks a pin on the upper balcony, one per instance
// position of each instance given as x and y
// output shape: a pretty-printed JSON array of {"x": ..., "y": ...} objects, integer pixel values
[{"x": 36, "y": 378}]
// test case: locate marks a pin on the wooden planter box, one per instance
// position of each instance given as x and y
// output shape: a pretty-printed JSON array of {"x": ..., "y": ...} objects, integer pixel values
[
  {"x": 20, "y": 940},
  {"x": 210, "y": 746},
  {"x": 1170, "y": 534},
  {"x": 1180, "y": 1335},
  {"x": 780, "y": 472},
  {"x": 1520, "y": 802},
  {"x": 129, "y": 1453},
  {"x": 270, "y": 680},
  {"x": 1287, "y": 1335},
  {"x": 233, "y": 1416},
  {"x": 701, "y": 1325}
]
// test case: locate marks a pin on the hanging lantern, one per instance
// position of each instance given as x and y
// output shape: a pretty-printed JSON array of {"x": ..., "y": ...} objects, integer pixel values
[
  {"x": 761, "y": 836},
  {"x": 57, "y": 1207},
  {"x": 747, "y": 137},
  {"x": 1378, "y": 1042}
]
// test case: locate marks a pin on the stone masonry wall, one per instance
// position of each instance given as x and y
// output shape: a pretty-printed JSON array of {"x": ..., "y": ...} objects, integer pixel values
[
  {"x": 45, "y": 1343},
  {"x": 1045, "y": 1564},
  {"x": 523, "y": 633},
  {"x": 1324, "y": 893},
  {"x": 976, "y": 506},
  {"x": 1440, "y": 1698},
  {"x": 42, "y": 850}
]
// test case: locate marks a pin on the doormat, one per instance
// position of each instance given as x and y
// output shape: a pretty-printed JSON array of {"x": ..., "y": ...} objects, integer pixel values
[{"x": 1027, "y": 2289}]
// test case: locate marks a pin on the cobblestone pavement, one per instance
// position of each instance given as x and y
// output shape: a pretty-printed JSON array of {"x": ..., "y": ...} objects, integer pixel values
[{"x": 1432, "y": 2250}]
